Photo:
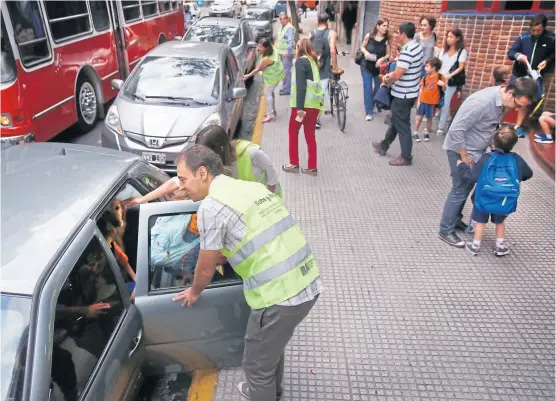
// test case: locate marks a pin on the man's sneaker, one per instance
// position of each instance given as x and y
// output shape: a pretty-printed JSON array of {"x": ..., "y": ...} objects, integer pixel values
[
  {"x": 368, "y": 117},
  {"x": 244, "y": 390},
  {"x": 318, "y": 126},
  {"x": 473, "y": 250},
  {"x": 520, "y": 132},
  {"x": 543, "y": 138},
  {"x": 416, "y": 137},
  {"x": 426, "y": 137},
  {"x": 439, "y": 132},
  {"x": 452, "y": 239},
  {"x": 501, "y": 250}
]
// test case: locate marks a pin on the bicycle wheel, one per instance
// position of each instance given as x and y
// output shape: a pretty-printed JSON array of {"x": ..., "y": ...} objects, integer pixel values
[
  {"x": 331, "y": 91},
  {"x": 340, "y": 109}
]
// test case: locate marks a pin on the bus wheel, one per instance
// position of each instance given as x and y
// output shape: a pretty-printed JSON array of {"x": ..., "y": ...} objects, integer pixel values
[{"x": 87, "y": 108}]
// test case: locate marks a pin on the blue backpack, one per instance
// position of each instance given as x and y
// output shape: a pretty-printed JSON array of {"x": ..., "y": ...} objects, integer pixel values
[{"x": 498, "y": 185}]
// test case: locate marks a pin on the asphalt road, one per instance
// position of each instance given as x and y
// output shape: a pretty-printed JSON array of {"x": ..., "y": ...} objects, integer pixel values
[{"x": 245, "y": 130}]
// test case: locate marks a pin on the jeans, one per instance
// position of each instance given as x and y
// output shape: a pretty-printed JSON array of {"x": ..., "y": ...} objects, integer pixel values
[
  {"x": 453, "y": 207},
  {"x": 287, "y": 60},
  {"x": 270, "y": 98},
  {"x": 445, "y": 111},
  {"x": 371, "y": 84},
  {"x": 400, "y": 124},
  {"x": 309, "y": 126}
]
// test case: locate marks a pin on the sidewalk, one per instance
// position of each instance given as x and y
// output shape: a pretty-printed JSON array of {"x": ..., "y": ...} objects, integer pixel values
[{"x": 403, "y": 315}]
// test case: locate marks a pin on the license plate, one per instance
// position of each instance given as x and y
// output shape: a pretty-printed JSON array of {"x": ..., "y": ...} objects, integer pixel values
[{"x": 155, "y": 158}]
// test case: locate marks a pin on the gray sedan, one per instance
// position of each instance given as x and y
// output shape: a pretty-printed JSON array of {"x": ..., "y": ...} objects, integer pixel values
[
  {"x": 70, "y": 329},
  {"x": 178, "y": 89}
]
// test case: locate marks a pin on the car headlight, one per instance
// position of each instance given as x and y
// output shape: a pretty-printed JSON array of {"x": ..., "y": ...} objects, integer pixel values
[
  {"x": 268, "y": 29},
  {"x": 112, "y": 120},
  {"x": 213, "y": 119}
]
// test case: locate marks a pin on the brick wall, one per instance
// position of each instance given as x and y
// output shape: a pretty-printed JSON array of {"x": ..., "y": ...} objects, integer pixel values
[{"x": 487, "y": 37}]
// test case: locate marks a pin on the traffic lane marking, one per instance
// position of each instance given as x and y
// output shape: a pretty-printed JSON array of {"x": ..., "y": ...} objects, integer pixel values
[{"x": 257, "y": 136}]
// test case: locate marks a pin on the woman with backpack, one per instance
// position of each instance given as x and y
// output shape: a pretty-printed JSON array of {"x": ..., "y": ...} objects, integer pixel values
[
  {"x": 427, "y": 38},
  {"x": 453, "y": 58},
  {"x": 376, "y": 51},
  {"x": 272, "y": 71}
]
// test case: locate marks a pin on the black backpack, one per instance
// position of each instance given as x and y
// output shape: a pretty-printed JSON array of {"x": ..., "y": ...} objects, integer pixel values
[{"x": 321, "y": 46}]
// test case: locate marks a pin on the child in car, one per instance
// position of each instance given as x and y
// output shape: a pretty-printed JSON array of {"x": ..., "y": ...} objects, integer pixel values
[{"x": 497, "y": 171}]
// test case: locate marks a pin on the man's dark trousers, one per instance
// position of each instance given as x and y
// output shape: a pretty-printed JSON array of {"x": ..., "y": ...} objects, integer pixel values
[
  {"x": 455, "y": 202},
  {"x": 400, "y": 124},
  {"x": 349, "y": 30}
]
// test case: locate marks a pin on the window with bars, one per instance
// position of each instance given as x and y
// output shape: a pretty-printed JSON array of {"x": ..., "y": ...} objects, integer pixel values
[
  {"x": 68, "y": 19},
  {"x": 132, "y": 10}
]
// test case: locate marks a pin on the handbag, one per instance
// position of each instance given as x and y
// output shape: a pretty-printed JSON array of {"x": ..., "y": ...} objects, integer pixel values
[
  {"x": 359, "y": 57},
  {"x": 459, "y": 79}
]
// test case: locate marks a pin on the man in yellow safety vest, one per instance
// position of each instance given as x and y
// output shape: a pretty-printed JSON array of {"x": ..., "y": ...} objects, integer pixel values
[
  {"x": 252, "y": 228},
  {"x": 286, "y": 50}
]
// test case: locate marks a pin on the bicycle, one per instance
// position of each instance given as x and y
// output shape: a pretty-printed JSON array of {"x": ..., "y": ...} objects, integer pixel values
[{"x": 338, "y": 92}]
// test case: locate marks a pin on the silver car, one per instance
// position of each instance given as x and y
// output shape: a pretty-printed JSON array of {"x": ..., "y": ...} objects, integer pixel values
[
  {"x": 260, "y": 21},
  {"x": 235, "y": 33},
  {"x": 69, "y": 328},
  {"x": 225, "y": 8},
  {"x": 178, "y": 89}
]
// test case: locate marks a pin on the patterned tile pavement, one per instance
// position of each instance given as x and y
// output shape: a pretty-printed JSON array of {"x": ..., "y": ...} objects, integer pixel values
[{"x": 404, "y": 316}]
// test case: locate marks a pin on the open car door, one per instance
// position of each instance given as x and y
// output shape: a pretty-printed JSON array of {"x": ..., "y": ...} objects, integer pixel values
[{"x": 210, "y": 333}]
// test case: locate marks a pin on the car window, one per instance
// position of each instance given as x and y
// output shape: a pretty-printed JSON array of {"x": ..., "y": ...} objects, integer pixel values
[
  {"x": 232, "y": 64},
  {"x": 67, "y": 19},
  {"x": 174, "y": 246},
  {"x": 88, "y": 310},
  {"x": 212, "y": 33},
  {"x": 14, "y": 318},
  {"x": 8, "y": 69},
  {"x": 247, "y": 35},
  {"x": 99, "y": 12},
  {"x": 170, "y": 79},
  {"x": 236, "y": 40},
  {"x": 228, "y": 81}
]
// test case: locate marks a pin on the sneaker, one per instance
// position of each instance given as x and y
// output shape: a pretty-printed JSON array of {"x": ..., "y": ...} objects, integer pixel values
[
  {"x": 369, "y": 117},
  {"x": 243, "y": 389},
  {"x": 543, "y": 138},
  {"x": 310, "y": 171},
  {"x": 426, "y": 137},
  {"x": 439, "y": 132},
  {"x": 290, "y": 168},
  {"x": 415, "y": 137},
  {"x": 452, "y": 239},
  {"x": 318, "y": 126},
  {"x": 473, "y": 250},
  {"x": 521, "y": 132},
  {"x": 501, "y": 250}
]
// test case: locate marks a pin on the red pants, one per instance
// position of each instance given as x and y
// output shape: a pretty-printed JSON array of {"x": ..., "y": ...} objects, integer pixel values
[{"x": 309, "y": 125}]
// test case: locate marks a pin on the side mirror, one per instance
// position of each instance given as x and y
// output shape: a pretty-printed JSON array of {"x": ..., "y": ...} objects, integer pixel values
[
  {"x": 117, "y": 84},
  {"x": 178, "y": 37},
  {"x": 252, "y": 43},
  {"x": 239, "y": 93}
]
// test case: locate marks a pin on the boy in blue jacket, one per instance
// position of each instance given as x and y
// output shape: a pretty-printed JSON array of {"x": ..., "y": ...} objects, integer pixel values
[{"x": 503, "y": 142}]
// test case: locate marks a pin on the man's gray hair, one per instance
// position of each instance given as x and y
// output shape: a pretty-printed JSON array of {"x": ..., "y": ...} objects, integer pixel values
[
  {"x": 196, "y": 156},
  {"x": 283, "y": 14}
]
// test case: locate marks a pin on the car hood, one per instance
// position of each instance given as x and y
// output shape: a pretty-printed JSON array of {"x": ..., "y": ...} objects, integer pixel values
[
  {"x": 256, "y": 24},
  {"x": 221, "y": 7},
  {"x": 162, "y": 121}
]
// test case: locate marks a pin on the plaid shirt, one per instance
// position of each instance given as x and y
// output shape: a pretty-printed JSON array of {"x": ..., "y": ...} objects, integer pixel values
[{"x": 221, "y": 227}]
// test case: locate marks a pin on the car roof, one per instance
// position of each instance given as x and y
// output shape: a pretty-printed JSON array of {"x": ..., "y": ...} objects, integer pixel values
[
  {"x": 222, "y": 21},
  {"x": 205, "y": 50},
  {"x": 48, "y": 191},
  {"x": 260, "y": 8}
]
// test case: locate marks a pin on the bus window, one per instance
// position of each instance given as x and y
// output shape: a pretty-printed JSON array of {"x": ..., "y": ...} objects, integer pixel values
[
  {"x": 132, "y": 10},
  {"x": 149, "y": 8},
  {"x": 67, "y": 19},
  {"x": 165, "y": 6},
  {"x": 8, "y": 72},
  {"x": 99, "y": 12},
  {"x": 29, "y": 32}
]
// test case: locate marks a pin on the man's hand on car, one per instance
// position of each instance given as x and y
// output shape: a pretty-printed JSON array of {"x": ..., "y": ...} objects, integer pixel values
[{"x": 189, "y": 297}]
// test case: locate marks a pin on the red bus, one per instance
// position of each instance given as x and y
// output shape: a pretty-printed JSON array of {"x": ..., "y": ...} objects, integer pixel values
[{"x": 58, "y": 59}]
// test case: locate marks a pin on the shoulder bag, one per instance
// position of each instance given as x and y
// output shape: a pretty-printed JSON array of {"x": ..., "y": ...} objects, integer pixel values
[{"x": 459, "y": 79}]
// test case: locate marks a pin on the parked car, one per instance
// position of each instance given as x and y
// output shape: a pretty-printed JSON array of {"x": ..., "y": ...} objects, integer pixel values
[
  {"x": 178, "y": 89},
  {"x": 195, "y": 10},
  {"x": 253, "y": 2},
  {"x": 260, "y": 21},
  {"x": 276, "y": 6},
  {"x": 233, "y": 32},
  {"x": 225, "y": 8},
  {"x": 69, "y": 330}
]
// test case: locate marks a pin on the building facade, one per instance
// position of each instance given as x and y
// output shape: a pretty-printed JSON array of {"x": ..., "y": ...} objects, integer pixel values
[{"x": 489, "y": 28}]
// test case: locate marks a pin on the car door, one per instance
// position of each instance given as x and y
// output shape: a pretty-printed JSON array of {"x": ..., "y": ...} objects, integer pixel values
[
  {"x": 237, "y": 79},
  {"x": 97, "y": 354},
  {"x": 250, "y": 46},
  {"x": 210, "y": 333}
]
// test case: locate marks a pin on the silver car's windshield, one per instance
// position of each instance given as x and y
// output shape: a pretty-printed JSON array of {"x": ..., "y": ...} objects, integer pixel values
[
  {"x": 214, "y": 33},
  {"x": 261, "y": 15},
  {"x": 15, "y": 312},
  {"x": 174, "y": 78}
]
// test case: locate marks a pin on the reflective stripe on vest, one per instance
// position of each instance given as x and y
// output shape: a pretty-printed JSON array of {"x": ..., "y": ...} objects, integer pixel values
[
  {"x": 245, "y": 165},
  {"x": 282, "y": 46},
  {"x": 314, "y": 97},
  {"x": 274, "y": 73},
  {"x": 273, "y": 258}
]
